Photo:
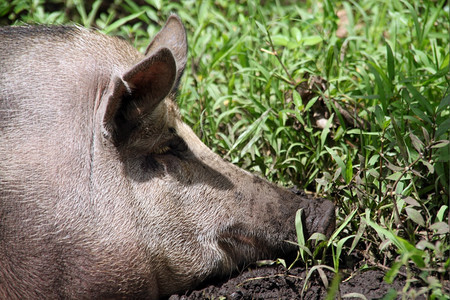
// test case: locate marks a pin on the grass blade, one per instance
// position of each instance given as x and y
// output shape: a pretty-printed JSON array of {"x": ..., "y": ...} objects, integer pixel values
[{"x": 121, "y": 22}]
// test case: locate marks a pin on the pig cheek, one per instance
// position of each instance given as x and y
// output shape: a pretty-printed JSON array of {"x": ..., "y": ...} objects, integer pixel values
[{"x": 202, "y": 206}]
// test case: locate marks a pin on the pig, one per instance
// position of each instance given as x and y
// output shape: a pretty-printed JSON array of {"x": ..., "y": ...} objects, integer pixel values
[{"x": 104, "y": 191}]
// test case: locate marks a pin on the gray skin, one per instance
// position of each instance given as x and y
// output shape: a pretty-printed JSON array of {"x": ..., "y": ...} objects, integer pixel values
[{"x": 104, "y": 191}]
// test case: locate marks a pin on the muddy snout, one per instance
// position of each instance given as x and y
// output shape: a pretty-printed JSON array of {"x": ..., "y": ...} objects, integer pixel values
[
  {"x": 318, "y": 214},
  {"x": 325, "y": 219}
]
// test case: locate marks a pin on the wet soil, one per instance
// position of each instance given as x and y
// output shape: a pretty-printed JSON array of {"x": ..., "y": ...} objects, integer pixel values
[{"x": 275, "y": 282}]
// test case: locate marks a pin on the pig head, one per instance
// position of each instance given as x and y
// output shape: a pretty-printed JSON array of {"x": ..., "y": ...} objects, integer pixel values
[{"x": 104, "y": 191}]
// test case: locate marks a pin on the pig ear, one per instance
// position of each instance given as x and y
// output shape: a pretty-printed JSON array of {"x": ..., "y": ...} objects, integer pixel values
[
  {"x": 173, "y": 37},
  {"x": 138, "y": 92}
]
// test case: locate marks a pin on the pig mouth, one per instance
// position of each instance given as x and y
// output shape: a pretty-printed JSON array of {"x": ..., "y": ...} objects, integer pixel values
[{"x": 244, "y": 247}]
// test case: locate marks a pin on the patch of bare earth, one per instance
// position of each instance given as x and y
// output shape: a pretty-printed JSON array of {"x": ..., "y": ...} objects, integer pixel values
[{"x": 275, "y": 282}]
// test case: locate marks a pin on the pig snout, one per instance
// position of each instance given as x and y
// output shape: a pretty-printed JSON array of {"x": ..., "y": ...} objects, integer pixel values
[
  {"x": 267, "y": 221},
  {"x": 318, "y": 214},
  {"x": 320, "y": 217},
  {"x": 321, "y": 214}
]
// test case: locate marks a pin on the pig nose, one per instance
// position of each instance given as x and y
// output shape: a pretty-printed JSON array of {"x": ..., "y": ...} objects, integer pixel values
[
  {"x": 319, "y": 214},
  {"x": 326, "y": 221}
]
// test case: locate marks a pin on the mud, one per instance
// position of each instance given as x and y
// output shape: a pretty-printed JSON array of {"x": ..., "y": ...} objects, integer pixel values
[{"x": 275, "y": 282}]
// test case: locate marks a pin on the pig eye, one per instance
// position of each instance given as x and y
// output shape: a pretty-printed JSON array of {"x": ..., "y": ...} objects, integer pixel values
[
  {"x": 174, "y": 146},
  {"x": 161, "y": 150}
]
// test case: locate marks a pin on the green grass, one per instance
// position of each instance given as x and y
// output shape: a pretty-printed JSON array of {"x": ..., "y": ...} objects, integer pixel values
[{"x": 382, "y": 157}]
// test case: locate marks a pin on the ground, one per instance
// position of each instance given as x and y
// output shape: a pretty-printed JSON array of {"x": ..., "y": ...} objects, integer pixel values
[{"x": 275, "y": 282}]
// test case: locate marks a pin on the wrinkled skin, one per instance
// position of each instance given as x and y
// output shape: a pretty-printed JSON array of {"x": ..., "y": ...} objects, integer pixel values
[{"x": 104, "y": 191}]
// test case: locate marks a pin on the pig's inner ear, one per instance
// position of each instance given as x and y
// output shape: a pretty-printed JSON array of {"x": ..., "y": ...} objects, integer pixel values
[{"x": 138, "y": 92}]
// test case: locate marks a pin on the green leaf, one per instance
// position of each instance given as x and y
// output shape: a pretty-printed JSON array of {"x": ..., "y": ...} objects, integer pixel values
[
  {"x": 380, "y": 83},
  {"x": 420, "y": 98},
  {"x": 82, "y": 11},
  {"x": 417, "y": 258},
  {"x": 250, "y": 131},
  {"x": 379, "y": 115},
  {"x": 426, "y": 135},
  {"x": 296, "y": 33},
  {"x": 282, "y": 262},
  {"x": 329, "y": 61},
  {"x": 311, "y": 271},
  {"x": 428, "y": 165},
  {"x": 444, "y": 104},
  {"x": 317, "y": 236},
  {"x": 417, "y": 144},
  {"x": 392, "y": 273},
  {"x": 390, "y": 295},
  {"x": 226, "y": 50},
  {"x": 388, "y": 234},
  {"x": 311, "y": 40},
  {"x": 394, "y": 167},
  {"x": 300, "y": 233},
  {"x": 155, "y": 3},
  {"x": 326, "y": 130},
  {"x": 203, "y": 12},
  {"x": 338, "y": 160},
  {"x": 432, "y": 20},
  {"x": 394, "y": 176},
  {"x": 441, "y": 213},
  {"x": 333, "y": 290},
  {"x": 373, "y": 160},
  {"x": 341, "y": 227},
  {"x": 390, "y": 63},
  {"x": 121, "y": 22},
  {"x": 261, "y": 27},
  {"x": 400, "y": 141},
  {"x": 440, "y": 227},
  {"x": 339, "y": 246},
  {"x": 421, "y": 114},
  {"x": 407, "y": 250},
  {"x": 280, "y": 40},
  {"x": 440, "y": 144},
  {"x": 415, "y": 216},
  {"x": 416, "y": 21},
  {"x": 92, "y": 14},
  {"x": 411, "y": 201},
  {"x": 311, "y": 103},
  {"x": 359, "y": 233},
  {"x": 348, "y": 169},
  {"x": 443, "y": 128},
  {"x": 323, "y": 276},
  {"x": 297, "y": 99}
]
